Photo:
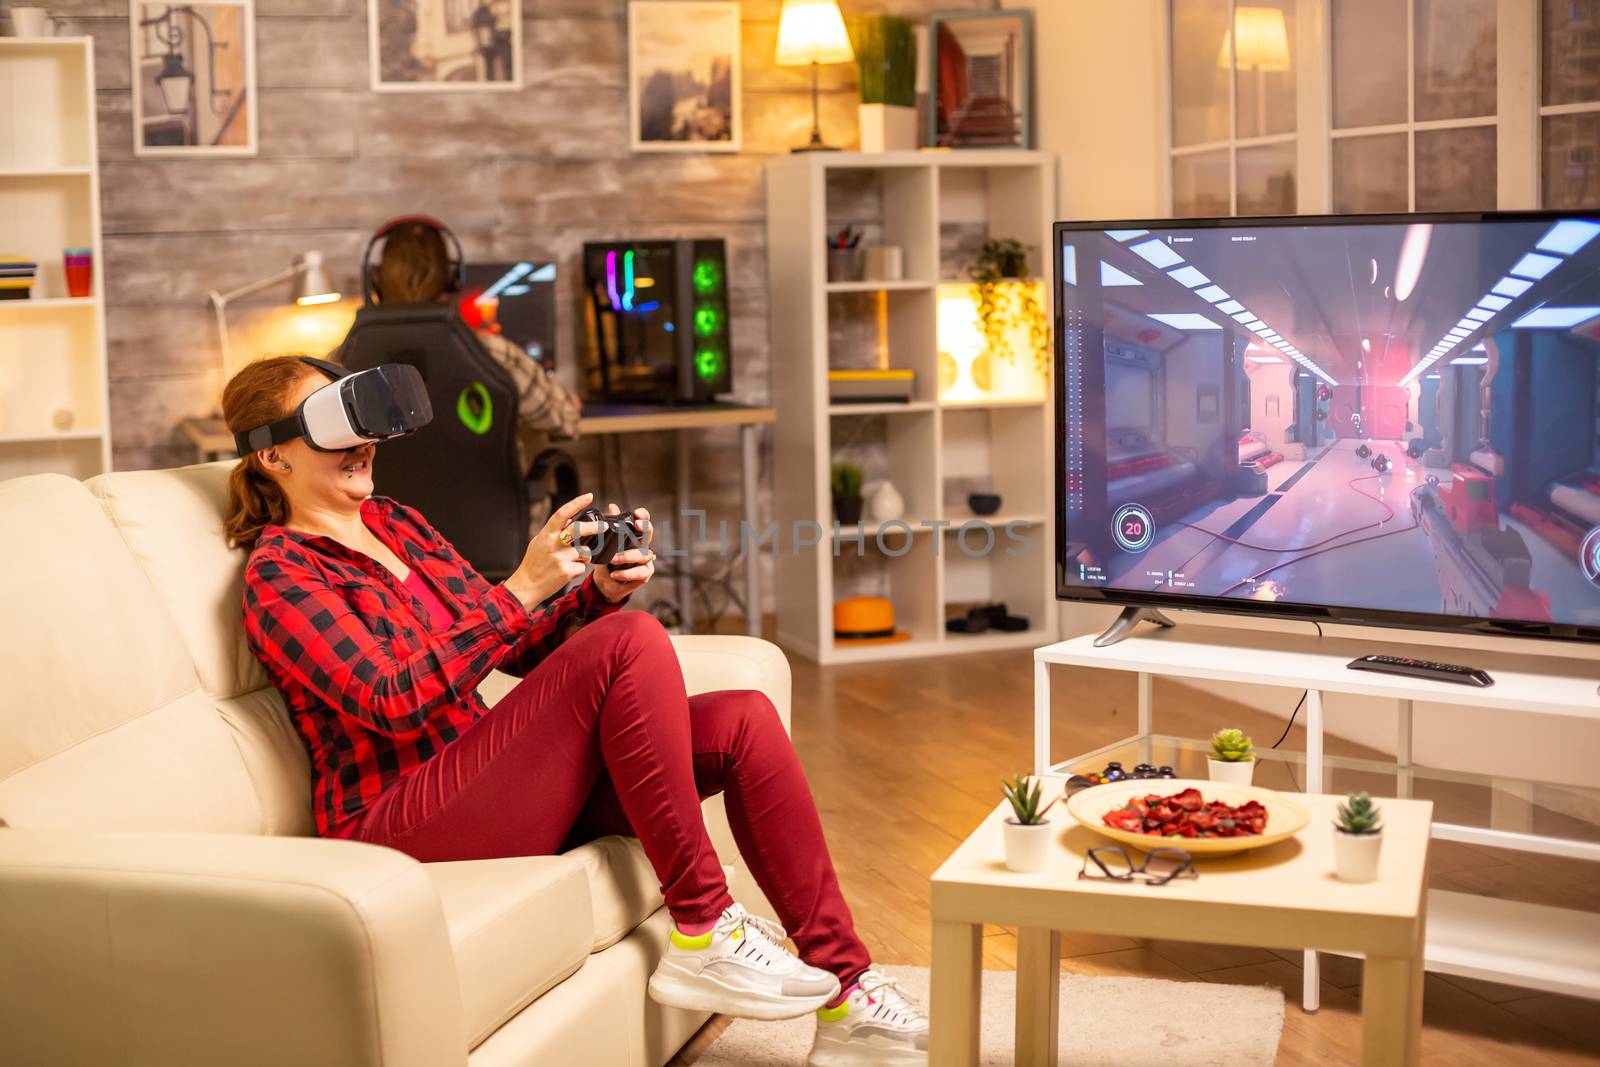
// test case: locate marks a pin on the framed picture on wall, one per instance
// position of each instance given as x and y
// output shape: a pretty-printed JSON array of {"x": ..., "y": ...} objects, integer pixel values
[
  {"x": 982, "y": 79},
  {"x": 444, "y": 45},
  {"x": 683, "y": 76},
  {"x": 194, "y": 78}
]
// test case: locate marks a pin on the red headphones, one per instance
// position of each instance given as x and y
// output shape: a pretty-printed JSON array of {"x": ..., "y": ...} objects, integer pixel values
[{"x": 456, "y": 266}]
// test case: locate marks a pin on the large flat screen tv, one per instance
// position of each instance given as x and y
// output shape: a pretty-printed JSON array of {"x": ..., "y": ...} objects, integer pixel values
[{"x": 1382, "y": 419}]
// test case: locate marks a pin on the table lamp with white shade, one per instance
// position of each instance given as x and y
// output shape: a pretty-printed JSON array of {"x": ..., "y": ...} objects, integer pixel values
[
  {"x": 1258, "y": 41},
  {"x": 308, "y": 284},
  {"x": 812, "y": 31}
]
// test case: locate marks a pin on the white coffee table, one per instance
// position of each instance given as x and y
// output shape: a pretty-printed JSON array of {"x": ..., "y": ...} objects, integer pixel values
[{"x": 1280, "y": 896}]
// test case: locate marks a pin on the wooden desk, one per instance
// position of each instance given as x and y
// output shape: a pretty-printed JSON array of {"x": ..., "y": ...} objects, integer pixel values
[
  {"x": 1279, "y": 896},
  {"x": 212, "y": 440},
  {"x": 681, "y": 421}
]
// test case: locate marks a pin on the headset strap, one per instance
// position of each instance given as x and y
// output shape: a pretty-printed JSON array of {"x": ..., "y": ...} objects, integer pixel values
[
  {"x": 291, "y": 426},
  {"x": 275, "y": 432}
]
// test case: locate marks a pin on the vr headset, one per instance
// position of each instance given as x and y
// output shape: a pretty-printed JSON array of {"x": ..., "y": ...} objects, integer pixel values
[{"x": 355, "y": 408}]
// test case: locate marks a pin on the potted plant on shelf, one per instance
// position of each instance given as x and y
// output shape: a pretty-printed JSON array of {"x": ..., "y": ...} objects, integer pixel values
[
  {"x": 1357, "y": 839},
  {"x": 886, "y": 67},
  {"x": 1232, "y": 757},
  {"x": 1027, "y": 832},
  {"x": 846, "y": 485},
  {"x": 1010, "y": 313}
]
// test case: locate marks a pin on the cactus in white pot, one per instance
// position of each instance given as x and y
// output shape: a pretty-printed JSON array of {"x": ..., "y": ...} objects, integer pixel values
[
  {"x": 1232, "y": 758},
  {"x": 1027, "y": 831},
  {"x": 1357, "y": 839}
]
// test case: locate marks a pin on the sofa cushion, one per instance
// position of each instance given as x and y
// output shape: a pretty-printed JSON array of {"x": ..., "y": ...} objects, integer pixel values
[
  {"x": 171, "y": 520},
  {"x": 103, "y": 724},
  {"x": 622, "y": 886},
  {"x": 519, "y": 926}
]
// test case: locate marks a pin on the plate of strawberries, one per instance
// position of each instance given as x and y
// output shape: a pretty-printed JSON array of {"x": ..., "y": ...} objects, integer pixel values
[{"x": 1202, "y": 817}]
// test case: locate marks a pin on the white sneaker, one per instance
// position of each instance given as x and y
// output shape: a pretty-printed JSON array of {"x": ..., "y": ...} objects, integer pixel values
[
  {"x": 740, "y": 968},
  {"x": 876, "y": 1024}
]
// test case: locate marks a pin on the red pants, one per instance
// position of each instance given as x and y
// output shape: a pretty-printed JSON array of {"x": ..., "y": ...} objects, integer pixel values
[{"x": 601, "y": 739}]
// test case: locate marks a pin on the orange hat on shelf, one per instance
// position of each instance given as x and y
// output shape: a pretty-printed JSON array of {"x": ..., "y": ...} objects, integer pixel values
[{"x": 866, "y": 620}]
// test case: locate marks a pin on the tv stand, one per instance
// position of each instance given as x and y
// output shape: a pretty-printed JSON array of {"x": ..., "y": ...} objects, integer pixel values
[
  {"x": 1127, "y": 621},
  {"x": 1530, "y": 945}
]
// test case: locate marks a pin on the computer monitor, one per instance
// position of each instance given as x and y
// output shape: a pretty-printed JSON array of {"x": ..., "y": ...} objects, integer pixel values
[
  {"x": 516, "y": 299},
  {"x": 1382, "y": 419}
]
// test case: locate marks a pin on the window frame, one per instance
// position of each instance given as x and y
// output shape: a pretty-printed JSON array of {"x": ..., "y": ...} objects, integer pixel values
[{"x": 1518, "y": 114}]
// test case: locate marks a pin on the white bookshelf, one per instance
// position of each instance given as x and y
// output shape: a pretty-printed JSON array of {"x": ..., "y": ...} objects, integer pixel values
[
  {"x": 52, "y": 346},
  {"x": 913, "y": 200}
]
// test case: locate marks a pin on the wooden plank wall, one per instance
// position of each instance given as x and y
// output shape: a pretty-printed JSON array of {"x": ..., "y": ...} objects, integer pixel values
[{"x": 529, "y": 174}]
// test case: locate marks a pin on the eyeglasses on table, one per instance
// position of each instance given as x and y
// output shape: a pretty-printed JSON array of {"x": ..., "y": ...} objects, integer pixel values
[{"x": 1160, "y": 866}]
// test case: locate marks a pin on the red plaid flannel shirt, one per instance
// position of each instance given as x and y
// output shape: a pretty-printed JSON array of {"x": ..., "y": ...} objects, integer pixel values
[{"x": 373, "y": 694}]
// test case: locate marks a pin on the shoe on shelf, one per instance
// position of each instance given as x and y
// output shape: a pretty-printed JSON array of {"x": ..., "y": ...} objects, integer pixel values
[
  {"x": 740, "y": 968},
  {"x": 876, "y": 1024}
]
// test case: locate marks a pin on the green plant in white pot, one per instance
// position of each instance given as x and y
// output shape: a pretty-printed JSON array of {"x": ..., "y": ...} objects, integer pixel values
[
  {"x": 1027, "y": 831},
  {"x": 886, "y": 68},
  {"x": 1357, "y": 839},
  {"x": 1232, "y": 758}
]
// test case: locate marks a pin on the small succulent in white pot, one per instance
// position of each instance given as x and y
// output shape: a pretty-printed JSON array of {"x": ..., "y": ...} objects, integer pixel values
[
  {"x": 1358, "y": 839},
  {"x": 1027, "y": 831},
  {"x": 1232, "y": 758}
]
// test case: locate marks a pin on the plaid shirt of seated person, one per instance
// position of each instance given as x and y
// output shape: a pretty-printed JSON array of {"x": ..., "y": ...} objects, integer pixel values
[
  {"x": 543, "y": 406},
  {"x": 372, "y": 692}
]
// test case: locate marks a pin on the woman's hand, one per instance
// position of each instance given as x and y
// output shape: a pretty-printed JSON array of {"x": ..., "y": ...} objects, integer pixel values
[
  {"x": 628, "y": 570},
  {"x": 551, "y": 561}
]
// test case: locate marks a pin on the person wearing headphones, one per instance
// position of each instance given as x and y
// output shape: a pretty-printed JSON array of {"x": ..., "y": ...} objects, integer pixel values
[
  {"x": 415, "y": 267},
  {"x": 378, "y": 634}
]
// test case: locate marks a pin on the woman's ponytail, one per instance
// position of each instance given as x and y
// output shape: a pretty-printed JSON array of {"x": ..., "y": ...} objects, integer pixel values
[{"x": 257, "y": 395}]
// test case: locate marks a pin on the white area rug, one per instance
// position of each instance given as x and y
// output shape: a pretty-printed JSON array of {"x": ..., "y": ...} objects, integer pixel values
[{"x": 1105, "y": 1022}]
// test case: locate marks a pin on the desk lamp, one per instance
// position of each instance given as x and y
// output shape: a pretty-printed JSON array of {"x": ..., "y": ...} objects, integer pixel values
[
  {"x": 812, "y": 31},
  {"x": 308, "y": 284}
]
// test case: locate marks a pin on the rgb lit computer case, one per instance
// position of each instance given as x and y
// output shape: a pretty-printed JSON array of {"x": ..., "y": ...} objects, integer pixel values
[{"x": 657, "y": 321}]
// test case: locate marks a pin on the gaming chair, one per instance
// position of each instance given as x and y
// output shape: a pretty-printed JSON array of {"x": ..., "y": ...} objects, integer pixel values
[{"x": 461, "y": 470}]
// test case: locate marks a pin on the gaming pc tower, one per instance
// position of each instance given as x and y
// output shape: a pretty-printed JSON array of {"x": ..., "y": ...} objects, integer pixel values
[{"x": 657, "y": 321}]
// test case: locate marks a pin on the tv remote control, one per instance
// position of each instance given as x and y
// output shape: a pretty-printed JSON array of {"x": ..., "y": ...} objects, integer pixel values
[{"x": 1422, "y": 668}]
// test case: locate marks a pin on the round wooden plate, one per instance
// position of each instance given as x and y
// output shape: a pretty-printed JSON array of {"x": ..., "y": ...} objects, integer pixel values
[{"x": 1285, "y": 816}]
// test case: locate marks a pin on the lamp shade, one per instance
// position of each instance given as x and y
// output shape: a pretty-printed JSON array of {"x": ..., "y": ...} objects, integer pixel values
[
  {"x": 1259, "y": 40},
  {"x": 310, "y": 283},
  {"x": 812, "y": 31},
  {"x": 174, "y": 81}
]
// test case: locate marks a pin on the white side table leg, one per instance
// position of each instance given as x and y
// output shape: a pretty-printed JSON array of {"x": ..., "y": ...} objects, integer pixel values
[
  {"x": 1147, "y": 689},
  {"x": 1041, "y": 717},
  {"x": 1402, "y": 752},
  {"x": 1311, "y": 993},
  {"x": 685, "y": 591},
  {"x": 1038, "y": 1021},
  {"x": 752, "y": 557}
]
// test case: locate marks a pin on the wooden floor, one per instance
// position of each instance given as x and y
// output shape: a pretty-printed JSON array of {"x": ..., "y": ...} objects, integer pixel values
[{"x": 905, "y": 759}]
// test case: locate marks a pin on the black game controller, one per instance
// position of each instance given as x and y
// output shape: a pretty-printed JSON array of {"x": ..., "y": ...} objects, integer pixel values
[
  {"x": 1115, "y": 773},
  {"x": 617, "y": 533}
]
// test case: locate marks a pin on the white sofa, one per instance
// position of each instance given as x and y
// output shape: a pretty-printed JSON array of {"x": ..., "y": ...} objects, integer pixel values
[{"x": 162, "y": 900}]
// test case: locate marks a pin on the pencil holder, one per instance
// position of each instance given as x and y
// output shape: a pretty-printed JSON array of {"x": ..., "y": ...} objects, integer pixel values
[{"x": 844, "y": 265}]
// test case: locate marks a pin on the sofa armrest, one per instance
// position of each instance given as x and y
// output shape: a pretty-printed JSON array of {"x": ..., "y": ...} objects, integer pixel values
[
  {"x": 190, "y": 949},
  {"x": 717, "y": 661}
]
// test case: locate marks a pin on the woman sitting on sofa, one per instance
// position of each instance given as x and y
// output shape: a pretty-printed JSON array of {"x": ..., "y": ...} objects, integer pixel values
[{"x": 378, "y": 635}]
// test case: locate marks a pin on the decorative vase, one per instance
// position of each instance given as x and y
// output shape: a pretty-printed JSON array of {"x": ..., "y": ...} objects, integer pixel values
[
  {"x": 1231, "y": 772},
  {"x": 1027, "y": 846},
  {"x": 31, "y": 22},
  {"x": 847, "y": 509},
  {"x": 983, "y": 503},
  {"x": 887, "y": 128},
  {"x": 1355, "y": 856},
  {"x": 884, "y": 502}
]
